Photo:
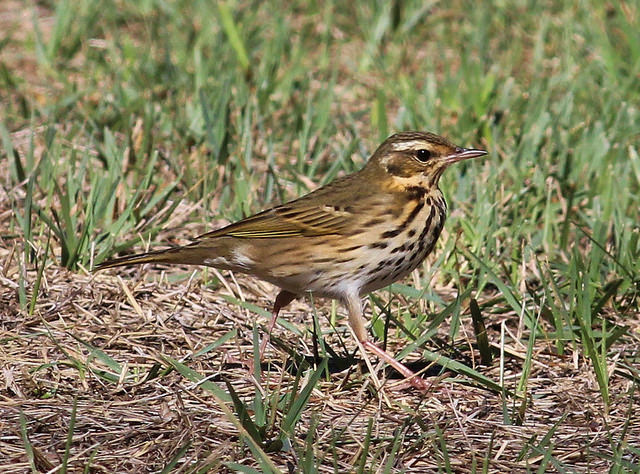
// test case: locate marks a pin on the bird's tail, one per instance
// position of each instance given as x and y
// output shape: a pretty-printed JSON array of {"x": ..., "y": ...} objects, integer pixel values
[{"x": 187, "y": 255}]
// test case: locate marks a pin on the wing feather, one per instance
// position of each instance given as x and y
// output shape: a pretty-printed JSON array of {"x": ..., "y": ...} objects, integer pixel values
[
  {"x": 327, "y": 210},
  {"x": 286, "y": 221}
]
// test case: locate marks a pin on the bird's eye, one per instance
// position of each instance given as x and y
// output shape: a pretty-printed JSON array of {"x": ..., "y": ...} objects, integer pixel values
[{"x": 423, "y": 155}]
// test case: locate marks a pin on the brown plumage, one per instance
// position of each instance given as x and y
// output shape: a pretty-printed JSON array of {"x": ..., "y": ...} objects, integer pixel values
[{"x": 355, "y": 235}]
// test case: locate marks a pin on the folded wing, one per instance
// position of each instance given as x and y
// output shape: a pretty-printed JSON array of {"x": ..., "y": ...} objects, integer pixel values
[{"x": 287, "y": 221}]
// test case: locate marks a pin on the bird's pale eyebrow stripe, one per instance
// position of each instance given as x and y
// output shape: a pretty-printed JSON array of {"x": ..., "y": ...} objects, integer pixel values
[{"x": 403, "y": 146}]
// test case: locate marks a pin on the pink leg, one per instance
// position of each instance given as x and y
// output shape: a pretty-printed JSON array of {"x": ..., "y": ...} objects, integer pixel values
[
  {"x": 282, "y": 300},
  {"x": 357, "y": 322},
  {"x": 416, "y": 381}
]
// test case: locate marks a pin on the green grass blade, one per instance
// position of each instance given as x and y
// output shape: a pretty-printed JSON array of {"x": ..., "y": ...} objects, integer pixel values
[
  {"x": 170, "y": 467},
  {"x": 231, "y": 30},
  {"x": 100, "y": 355},
  {"x": 28, "y": 447},
  {"x": 295, "y": 410},
  {"x": 243, "y": 415},
  {"x": 214, "y": 345},
  {"x": 69, "y": 442}
]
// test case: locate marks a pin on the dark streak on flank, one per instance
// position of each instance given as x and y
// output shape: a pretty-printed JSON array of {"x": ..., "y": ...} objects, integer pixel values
[
  {"x": 401, "y": 248},
  {"x": 275, "y": 251},
  {"x": 390, "y": 233},
  {"x": 381, "y": 265},
  {"x": 378, "y": 245},
  {"x": 374, "y": 221},
  {"x": 351, "y": 249}
]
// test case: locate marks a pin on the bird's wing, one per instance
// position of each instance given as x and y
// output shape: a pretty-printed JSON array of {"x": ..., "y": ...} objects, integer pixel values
[{"x": 288, "y": 221}]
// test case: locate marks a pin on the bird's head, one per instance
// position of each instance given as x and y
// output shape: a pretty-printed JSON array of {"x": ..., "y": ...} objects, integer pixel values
[{"x": 418, "y": 158}]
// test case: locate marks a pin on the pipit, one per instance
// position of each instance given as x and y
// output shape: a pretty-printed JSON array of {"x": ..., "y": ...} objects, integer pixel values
[{"x": 355, "y": 235}]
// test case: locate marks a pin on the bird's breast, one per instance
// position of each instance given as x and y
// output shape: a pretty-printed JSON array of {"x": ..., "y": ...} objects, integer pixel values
[{"x": 402, "y": 244}]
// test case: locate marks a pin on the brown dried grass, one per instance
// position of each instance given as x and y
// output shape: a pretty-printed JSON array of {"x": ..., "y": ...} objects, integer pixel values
[{"x": 139, "y": 425}]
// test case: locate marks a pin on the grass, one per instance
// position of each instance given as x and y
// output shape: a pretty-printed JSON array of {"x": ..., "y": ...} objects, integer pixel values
[{"x": 130, "y": 125}]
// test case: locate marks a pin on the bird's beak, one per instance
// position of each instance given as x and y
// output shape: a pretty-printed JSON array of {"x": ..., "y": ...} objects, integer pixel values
[{"x": 463, "y": 154}]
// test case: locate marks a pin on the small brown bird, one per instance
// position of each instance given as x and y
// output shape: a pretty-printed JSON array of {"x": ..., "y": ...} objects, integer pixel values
[{"x": 355, "y": 235}]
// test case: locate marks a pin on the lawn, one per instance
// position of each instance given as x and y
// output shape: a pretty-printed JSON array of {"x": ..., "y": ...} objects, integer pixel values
[{"x": 126, "y": 126}]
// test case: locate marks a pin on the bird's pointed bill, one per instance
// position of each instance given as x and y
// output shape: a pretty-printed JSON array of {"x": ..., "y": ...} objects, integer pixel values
[{"x": 463, "y": 154}]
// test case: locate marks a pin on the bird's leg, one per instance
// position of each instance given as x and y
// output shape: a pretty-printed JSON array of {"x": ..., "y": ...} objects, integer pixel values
[
  {"x": 282, "y": 300},
  {"x": 357, "y": 322}
]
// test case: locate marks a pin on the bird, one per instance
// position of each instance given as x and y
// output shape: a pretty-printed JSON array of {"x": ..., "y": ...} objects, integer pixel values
[{"x": 352, "y": 236}]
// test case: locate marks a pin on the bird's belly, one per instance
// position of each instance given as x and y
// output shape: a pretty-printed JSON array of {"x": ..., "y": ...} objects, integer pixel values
[{"x": 323, "y": 265}]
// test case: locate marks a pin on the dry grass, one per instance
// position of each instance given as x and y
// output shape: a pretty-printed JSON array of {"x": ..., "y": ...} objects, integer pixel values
[{"x": 139, "y": 425}]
